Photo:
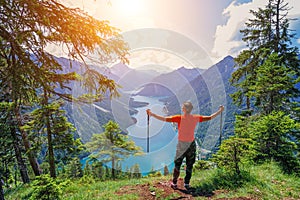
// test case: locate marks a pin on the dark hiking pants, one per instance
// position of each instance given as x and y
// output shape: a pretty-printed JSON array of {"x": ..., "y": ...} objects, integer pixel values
[{"x": 185, "y": 150}]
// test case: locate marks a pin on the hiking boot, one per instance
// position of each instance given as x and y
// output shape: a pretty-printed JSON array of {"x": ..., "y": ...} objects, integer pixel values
[
  {"x": 174, "y": 186},
  {"x": 187, "y": 186}
]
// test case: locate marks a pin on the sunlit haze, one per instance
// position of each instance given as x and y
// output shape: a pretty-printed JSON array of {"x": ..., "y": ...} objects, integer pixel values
[
  {"x": 157, "y": 59},
  {"x": 213, "y": 25},
  {"x": 129, "y": 7}
]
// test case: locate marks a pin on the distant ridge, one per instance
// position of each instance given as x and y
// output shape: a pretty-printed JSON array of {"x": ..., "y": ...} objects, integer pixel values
[{"x": 169, "y": 86}]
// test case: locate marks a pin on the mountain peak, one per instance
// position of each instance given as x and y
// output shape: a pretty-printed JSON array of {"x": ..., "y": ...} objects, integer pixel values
[
  {"x": 228, "y": 60},
  {"x": 182, "y": 68},
  {"x": 228, "y": 57},
  {"x": 120, "y": 69}
]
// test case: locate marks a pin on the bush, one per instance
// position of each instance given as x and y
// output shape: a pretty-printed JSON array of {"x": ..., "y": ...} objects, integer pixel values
[
  {"x": 87, "y": 179},
  {"x": 233, "y": 153},
  {"x": 275, "y": 138},
  {"x": 202, "y": 165},
  {"x": 46, "y": 188}
]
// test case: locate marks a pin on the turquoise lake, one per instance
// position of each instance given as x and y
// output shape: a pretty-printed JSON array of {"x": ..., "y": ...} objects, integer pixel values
[{"x": 163, "y": 138}]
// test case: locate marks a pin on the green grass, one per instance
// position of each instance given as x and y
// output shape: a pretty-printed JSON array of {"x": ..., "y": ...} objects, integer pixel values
[{"x": 259, "y": 182}]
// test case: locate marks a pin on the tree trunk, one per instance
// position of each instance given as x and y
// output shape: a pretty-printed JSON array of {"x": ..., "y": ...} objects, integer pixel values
[
  {"x": 50, "y": 150},
  {"x": 31, "y": 157},
  {"x": 1, "y": 189},
  {"x": 277, "y": 25},
  {"x": 235, "y": 158},
  {"x": 20, "y": 161},
  {"x": 248, "y": 103},
  {"x": 18, "y": 153},
  {"x": 49, "y": 137},
  {"x": 270, "y": 21},
  {"x": 113, "y": 168}
]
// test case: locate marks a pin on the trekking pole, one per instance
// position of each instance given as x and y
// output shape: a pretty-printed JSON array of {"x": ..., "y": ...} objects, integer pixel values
[
  {"x": 221, "y": 118},
  {"x": 148, "y": 119}
]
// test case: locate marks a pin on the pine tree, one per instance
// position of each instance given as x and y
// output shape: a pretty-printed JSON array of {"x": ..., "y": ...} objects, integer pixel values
[
  {"x": 87, "y": 171},
  {"x": 275, "y": 137},
  {"x": 74, "y": 168},
  {"x": 49, "y": 126},
  {"x": 136, "y": 171},
  {"x": 268, "y": 39},
  {"x": 266, "y": 78},
  {"x": 7, "y": 158},
  {"x": 96, "y": 168},
  {"x": 272, "y": 85},
  {"x": 112, "y": 146},
  {"x": 9, "y": 133},
  {"x": 1, "y": 189},
  {"x": 232, "y": 154},
  {"x": 119, "y": 170},
  {"x": 127, "y": 172},
  {"x": 166, "y": 170},
  {"x": 26, "y": 28}
]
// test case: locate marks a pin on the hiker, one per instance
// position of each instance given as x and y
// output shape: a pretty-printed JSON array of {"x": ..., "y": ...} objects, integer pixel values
[{"x": 186, "y": 146}]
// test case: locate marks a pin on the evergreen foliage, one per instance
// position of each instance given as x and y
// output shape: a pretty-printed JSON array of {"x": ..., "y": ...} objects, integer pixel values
[
  {"x": 50, "y": 128},
  {"x": 11, "y": 146},
  {"x": 28, "y": 70},
  {"x": 135, "y": 171},
  {"x": 166, "y": 170},
  {"x": 232, "y": 154},
  {"x": 74, "y": 168},
  {"x": 46, "y": 188},
  {"x": 266, "y": 78},
  {"x": 202, "y": 165},
  {"x": 268, "y": 59},
  {"x": 274, "y": 138},
  {"x": 112, "y": 146}
]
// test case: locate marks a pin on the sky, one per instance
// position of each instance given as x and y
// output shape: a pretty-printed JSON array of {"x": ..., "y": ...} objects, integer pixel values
[{"x": 190, "y": 33}]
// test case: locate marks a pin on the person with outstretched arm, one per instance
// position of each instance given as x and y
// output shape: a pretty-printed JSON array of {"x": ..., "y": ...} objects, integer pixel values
[{"x": 186, "y": 146}]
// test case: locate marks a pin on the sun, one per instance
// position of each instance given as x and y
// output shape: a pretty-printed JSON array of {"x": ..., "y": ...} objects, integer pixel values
[{"x": 130, "y": 7}]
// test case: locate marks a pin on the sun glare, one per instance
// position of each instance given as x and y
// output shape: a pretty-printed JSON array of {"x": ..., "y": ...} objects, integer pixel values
[{"x": 130, "y": 7}]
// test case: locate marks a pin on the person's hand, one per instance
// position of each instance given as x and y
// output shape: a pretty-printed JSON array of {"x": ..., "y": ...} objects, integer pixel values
[
  {"x": 221, "y": 108},
  {"x": 148, "y": 112}
]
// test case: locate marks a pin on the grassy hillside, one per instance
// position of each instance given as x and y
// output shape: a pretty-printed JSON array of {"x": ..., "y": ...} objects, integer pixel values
[{"x": 259, "y": 182}]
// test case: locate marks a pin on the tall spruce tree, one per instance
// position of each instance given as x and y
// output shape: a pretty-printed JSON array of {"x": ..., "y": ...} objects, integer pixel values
[
  {"x": 50, "y": 128},
  {"x": 269, "y": 56},
  {"x": 9, "y": 133},
  {"x": 266, "y": 77}
]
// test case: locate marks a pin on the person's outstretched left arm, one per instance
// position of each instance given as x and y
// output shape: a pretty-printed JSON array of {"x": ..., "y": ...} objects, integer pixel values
[{"x": 207, "y": 118}]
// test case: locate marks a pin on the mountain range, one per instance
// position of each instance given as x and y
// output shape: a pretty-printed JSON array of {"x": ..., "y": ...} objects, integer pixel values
[{"x": 205, "y": 88}]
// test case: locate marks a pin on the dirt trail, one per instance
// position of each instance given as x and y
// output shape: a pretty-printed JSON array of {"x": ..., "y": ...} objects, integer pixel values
[{"x": 163, "y": 190}]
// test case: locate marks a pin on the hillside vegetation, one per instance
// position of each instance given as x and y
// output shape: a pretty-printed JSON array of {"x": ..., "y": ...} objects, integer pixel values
[{"x": 265, "y": 181}]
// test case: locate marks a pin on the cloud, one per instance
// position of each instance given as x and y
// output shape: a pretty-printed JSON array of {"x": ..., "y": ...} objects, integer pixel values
[
  {"x": 227, "y": 37},
  {"x": 227, "y": 40},
  {"x": 295, "y": 7}
]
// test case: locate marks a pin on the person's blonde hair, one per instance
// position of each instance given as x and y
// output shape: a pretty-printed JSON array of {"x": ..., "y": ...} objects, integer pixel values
[{"x": 188, "y": 106}]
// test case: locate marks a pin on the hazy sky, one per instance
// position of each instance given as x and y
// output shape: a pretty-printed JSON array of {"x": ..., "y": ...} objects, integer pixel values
[{"x": 213, "y": 25}]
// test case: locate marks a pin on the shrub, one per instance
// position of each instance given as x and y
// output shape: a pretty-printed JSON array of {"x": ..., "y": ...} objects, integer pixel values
[
  {"x": 202, "y": 165},
  {"x": 46, "y": 188}
]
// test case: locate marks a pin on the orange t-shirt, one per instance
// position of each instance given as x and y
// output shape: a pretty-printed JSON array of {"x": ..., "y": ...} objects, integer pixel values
[{"x": 186, "y": 126}]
